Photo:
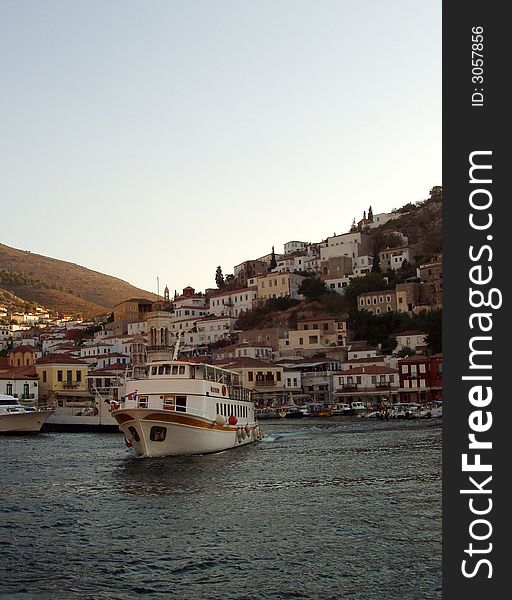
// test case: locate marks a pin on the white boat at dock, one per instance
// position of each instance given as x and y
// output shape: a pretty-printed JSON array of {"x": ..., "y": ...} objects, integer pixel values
[
  {"x": 92, "y": 413},
  {"x": 18, "y": 419},
  {"x": 179, "y": 408}
]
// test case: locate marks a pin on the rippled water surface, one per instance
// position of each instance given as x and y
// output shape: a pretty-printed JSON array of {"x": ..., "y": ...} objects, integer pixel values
[{"x": 321, "y": 509}]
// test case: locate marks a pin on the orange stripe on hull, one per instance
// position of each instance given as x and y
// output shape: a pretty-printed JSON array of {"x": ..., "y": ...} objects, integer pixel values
[
  {"x": 123, "y": 417},
  {"x": 186, "y": 420}
]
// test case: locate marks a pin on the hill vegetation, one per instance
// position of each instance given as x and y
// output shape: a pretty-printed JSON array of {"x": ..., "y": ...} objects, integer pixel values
[{"x": 61, "y": 286}]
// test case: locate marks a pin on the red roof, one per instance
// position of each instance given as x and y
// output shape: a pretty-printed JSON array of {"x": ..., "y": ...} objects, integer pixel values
[
  {"x": 27, "y": 372},
  {"x": 369, "y": 370},
  {"x": 247, "y": 361},
  {"x": 23, "y": 348},
  {"x": 59, "y": 359}
]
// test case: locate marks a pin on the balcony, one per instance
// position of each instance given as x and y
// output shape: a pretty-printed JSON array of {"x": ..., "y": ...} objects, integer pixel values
[
  {"x": 350, "y": 386},
  {"x": 266, "y": 383},
  {"x": 70, "y": 386}
]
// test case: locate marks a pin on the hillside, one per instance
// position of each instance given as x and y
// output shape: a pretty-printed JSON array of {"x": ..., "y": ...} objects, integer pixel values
[
  {"x": 62, "y": 286},
  {"x": 421, "y": 222}
]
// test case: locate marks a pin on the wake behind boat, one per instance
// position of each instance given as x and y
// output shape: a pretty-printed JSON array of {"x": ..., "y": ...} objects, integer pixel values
[
  {"x": 18, "y": 419},
  {"x": 177, "y": 407}
]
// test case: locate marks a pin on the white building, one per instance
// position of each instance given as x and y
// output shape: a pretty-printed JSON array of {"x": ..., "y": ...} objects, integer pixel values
[
  {"x": 291, "y": 263},
  {"x": 360, "y": 349},
  {"x": 253, "y": 351},
  {"x": 140, "y": 327},
  {"x": 96, "y": 349},
  {"x": 293, "y": 246},
  {"x": 393, "y": 258},
  {"x": 348, "y": 244},
  {"x": 278, "y": 285},
  {"x": 21, "y": 383},
  {"x": 381, "y": 219},
  {"x": 338, "y": 285},
  {"x": 232, "y": 303},
  {"x": 362, "y": 265},
  {"x": 416, "y": 340}
]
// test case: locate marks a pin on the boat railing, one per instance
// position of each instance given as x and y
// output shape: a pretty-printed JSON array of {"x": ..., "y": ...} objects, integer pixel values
[{"x": 159, "y": 405}]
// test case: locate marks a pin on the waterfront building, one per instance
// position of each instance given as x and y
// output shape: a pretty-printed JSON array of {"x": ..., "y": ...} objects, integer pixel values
[
  {"x": 62, "y": 379},
  {"x": 421, "y": 378},
  {"x": 367, "y": 384}
]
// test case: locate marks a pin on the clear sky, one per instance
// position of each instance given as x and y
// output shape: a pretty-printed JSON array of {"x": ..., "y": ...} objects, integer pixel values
[{"x": 165, "y": 138}]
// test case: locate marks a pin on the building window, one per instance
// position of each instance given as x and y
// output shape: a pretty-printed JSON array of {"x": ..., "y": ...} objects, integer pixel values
[
  {"x": 79, "y": 376},
  {"x": 250, "y": 376},
  {"x": 44, "y": 376},
  {"x": 59, "y": 375}
]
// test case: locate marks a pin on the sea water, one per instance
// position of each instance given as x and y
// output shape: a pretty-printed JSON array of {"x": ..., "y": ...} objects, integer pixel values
[{"x": 320, "y": 509}]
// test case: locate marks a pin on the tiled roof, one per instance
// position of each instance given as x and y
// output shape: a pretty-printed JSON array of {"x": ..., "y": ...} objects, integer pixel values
[
  {"x": 247, "y": 361},
  {"x": 23, "y": 348},
  {"x": 369, "y": 370},
  {"x": 59, "y": 359},
  {"x": 27, "y": 372}
]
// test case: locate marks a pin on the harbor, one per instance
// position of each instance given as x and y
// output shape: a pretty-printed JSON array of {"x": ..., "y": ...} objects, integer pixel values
[{"x": 309, "y": 512}]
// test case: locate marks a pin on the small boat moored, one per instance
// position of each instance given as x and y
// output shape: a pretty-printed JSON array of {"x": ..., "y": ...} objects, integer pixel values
[{"x": 16, "y": 419}]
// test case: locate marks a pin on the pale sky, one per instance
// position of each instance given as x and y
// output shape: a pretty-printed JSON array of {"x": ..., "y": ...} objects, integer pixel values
[{"x": 149, "y": 139}]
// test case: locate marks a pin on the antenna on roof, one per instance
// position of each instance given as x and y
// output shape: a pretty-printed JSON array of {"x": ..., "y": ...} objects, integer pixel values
[{"x": 158, "y": 288}]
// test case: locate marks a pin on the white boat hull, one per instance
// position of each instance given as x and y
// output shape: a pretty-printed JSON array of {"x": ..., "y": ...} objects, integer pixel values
[
  {"x": 23, "y": 422},
  {"x": 184, "y": 434}
]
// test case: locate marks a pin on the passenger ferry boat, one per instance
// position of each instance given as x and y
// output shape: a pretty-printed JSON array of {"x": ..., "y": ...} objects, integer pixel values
[{"x": 175, "y": 407}]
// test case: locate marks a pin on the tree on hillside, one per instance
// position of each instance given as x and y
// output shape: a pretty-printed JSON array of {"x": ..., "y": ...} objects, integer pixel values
[
  {"x": 376, "y": 261},
  {"x": 312, "y": 288},
  {"x": 436, "y": 194},
  {"x": 273, "y": 261},
  {"x": 219, "y": 278}
]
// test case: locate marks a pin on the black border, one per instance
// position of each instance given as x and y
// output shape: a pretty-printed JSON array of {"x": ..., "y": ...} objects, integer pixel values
[{"x": 468, "y": 128}]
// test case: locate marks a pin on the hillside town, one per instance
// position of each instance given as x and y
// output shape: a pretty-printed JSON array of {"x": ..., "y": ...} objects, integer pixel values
[{"x": 307, "y": 347}]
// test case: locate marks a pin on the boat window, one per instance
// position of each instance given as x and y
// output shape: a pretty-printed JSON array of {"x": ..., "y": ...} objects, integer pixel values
[
  {"x": 134, "y": 433},
  {"x": 169, "y": 402},
  {"x": 143, "y": 402},
  {"x": 175, "y": 369},
  {"x": 182, "y": 369},
  {"x": 153, "y": 370},
  {"x": 157, "y": 433},
  {"x": 181, "y": 403},
  {"x": 167, "y": 369},
  {"x": 161, "y": 370},
  {"x": 225, "y": 410}
]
